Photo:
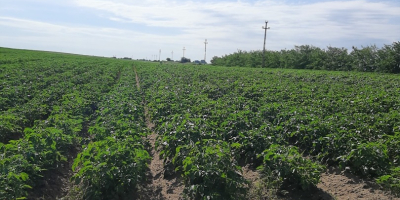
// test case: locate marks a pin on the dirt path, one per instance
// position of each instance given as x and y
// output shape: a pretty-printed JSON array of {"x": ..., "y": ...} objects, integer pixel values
[{"x": 158, "y": 187}]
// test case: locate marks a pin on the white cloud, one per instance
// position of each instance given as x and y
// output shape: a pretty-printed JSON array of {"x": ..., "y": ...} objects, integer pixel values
[
  {"x": 324, "y": 21},
  {"x": 228, "y": 26}
]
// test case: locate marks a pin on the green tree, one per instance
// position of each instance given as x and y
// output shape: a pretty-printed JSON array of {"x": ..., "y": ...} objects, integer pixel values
[
  {"x": 365, "y": 59},
  {"x": 337, "y": 59},
  {"x": 389, "y": 58},
  {"x": 185, "y": 60}
]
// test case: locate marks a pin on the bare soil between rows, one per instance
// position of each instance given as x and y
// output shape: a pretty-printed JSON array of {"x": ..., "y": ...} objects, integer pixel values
[
  {"x": 159, "y": 187},
  {"x": 344, "y": 185}
]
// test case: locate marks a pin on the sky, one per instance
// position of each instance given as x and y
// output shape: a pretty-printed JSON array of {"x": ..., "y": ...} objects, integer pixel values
[{"x": 142, "y": 29}]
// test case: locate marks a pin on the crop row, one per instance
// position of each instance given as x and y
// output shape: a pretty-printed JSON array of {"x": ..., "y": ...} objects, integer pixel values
[
  {"x": 210, "y": 121},
  {"x": 114, "y": 162},
  {"x": 289, "y": 123},
  {"x": 29, "y": 91},
  {"x": 38, "y": 135}
]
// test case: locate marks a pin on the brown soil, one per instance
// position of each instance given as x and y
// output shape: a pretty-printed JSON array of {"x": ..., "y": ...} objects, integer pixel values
[
  {"x": 158, "y": 186},
  {"x": 250, "y": 174},
  {"x": 55, "y": 183},
  {"x": 334, "y": 185},
  {"x": 344, "y": 185},
  {"x": 137, "y": 79}
]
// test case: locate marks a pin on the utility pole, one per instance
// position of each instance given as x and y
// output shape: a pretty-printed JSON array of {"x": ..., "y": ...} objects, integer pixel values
[
  {"x": 183, "y": 51},
  {"x": 159, "y": 55},
  {"x": 265, "y": 37},
  {"x": 172, "y": 55},
  {"x": 205, "y": 50}
]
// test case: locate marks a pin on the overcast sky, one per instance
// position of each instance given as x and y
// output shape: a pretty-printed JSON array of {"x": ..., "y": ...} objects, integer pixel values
[{"x": 139, "y": 29}]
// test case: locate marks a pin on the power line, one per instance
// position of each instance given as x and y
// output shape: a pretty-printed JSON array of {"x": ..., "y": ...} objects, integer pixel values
[
  {"x": 205, "y": 49},
  {"x": 265, "y": 37}
]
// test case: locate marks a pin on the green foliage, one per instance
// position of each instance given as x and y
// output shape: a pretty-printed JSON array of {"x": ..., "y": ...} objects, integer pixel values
[
  {"x": 366, "y": 59},
  {"x": 207, "y": 119},
  {"x": 48, "y": 145},
  {"x": 391, "y": 181},
  {"x": 185, "y": 60},
  {"x": 313, "y": 116},
  {"x": 210, "y": 172},
  {"x": 14, "y": 185},
  {"x": 10, "y": 127},
  {"x": 110, "y": 168},
  {"x": 17, "y": 169},
  {"x": 114, "y": 162},
  {"x": 337, "y": 59},
  {"x": 46, "y": 101},
  {"x": 252, "y": 143},
  {"x": 13, "y": 179},
  {"x": 286, "y": 163},
  {"x": 392, "y": 143},
  {"x": 368, "y": 159}
]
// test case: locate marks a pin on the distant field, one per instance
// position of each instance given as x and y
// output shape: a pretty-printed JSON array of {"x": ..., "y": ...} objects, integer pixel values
[{"x": 81, "y": 127}]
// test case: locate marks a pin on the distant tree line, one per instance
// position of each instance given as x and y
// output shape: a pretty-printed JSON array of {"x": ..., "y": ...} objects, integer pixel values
[
  {"x": 185, "y": 60},
  {"x": 365, "y": 59}
]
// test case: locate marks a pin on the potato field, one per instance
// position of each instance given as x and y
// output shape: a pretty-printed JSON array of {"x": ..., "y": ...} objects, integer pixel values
[{"x": 78, "y": 127}]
